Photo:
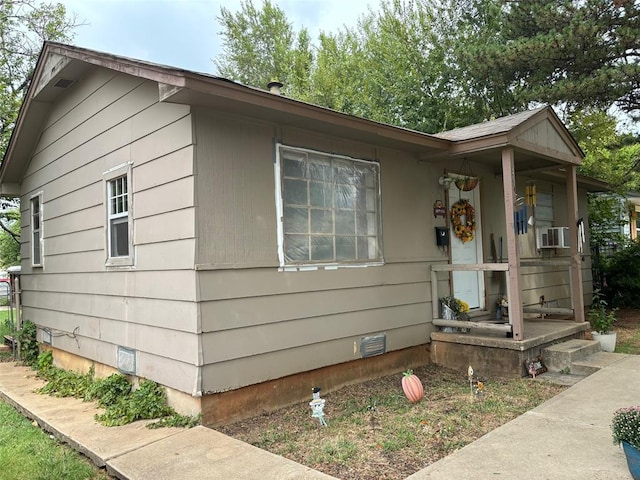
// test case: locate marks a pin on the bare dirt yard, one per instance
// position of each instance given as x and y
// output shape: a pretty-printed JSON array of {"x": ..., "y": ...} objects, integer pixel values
[{"x": 374, "y": 432}]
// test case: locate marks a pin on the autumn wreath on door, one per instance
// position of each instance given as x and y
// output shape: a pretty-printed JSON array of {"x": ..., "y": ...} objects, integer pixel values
[{"x": 463, "y": 220}]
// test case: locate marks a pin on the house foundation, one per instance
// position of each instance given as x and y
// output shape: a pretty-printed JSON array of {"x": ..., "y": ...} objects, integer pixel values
[
  {"x": 246, "y": 402},
  {"x": 234, "y": 405}
]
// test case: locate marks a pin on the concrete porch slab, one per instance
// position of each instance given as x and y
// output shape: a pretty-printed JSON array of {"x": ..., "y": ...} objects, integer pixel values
[{"x": 493, "y": 354}]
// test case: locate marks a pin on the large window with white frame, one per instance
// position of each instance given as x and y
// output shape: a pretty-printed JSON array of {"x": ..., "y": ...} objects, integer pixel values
[
  {"x": 37, "y": 241},
  {"x": 328, "y": 209},
  {"x": 119, "y": 218}
]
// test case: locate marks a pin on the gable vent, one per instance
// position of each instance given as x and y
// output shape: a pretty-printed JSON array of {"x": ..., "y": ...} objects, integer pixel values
[
  {"x": 64, "y": 83},
  {"x": 373, "y": 345}
]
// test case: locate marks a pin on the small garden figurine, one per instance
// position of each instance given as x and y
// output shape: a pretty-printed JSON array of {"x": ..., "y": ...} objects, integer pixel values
[
  {"x": 412, "y": 386},
  {"x": 317, "y": 406}
]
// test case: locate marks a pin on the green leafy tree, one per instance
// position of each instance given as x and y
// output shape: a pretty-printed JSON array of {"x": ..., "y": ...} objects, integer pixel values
[
  {"x": 607, "y": 215},
  {"x": 10, "y": 238},
  {"x": 399, "y": 65},
  {"x": 610, "y": 156},
  {"x": 260, "y": 45}
]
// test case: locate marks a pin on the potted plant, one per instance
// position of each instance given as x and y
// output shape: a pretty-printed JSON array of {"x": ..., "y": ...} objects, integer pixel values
[
  {"x": 626, "y": 431},
  {"x": 602, "y": 322},
  {"x": 454, "y": 309}
]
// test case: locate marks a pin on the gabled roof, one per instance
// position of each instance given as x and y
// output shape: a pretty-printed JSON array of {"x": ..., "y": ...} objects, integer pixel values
[
  {"x": 59, "y": 66},
  {"x": 537, "y": 134},
  {"x": 539, "y": 137},
  {"x": 492, "y": 127}
]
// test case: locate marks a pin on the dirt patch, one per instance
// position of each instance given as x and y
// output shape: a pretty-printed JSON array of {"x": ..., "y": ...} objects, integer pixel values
[
  {"x": 374, "y": 432},
  {"x": 627, "y": 328}
]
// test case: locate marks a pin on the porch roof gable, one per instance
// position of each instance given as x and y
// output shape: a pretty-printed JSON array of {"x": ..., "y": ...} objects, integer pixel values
[{"x": 537, "y": 132}]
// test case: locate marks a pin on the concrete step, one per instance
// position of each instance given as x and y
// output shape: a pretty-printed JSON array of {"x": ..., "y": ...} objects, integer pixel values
[
  {"x": 561, "y": 356},
  {"x": 595, "y": 362},
  {"x": 566, "y": 379}
]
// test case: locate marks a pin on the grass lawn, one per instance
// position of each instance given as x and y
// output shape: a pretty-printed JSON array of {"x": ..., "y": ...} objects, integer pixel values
[
  {"x": 28, "y": 453},
  {"x": 5, "y": 327}
]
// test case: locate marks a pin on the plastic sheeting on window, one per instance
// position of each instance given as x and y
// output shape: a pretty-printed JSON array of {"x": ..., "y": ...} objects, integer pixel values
[{"x": 330, "y": 209}]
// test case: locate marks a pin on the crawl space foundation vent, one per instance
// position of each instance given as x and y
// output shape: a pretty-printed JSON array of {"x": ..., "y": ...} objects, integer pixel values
[{"x": 373, "y": 345}]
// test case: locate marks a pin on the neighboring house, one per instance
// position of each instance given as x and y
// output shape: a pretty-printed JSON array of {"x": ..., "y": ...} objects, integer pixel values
[{"x": 240, "y": 247}]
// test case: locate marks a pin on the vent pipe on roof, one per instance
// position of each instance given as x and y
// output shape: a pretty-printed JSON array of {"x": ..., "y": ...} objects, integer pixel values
[{"x": 274, "y": 87}]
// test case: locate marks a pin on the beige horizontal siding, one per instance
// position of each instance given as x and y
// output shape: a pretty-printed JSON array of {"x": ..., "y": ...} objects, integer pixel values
[
  {"x": 182, "y": 376},
  {"x": 164, "y": 227},
  {"x": 242, "y": 342},
  {"x": 84, "y": 89},
  {"x": 118, "y": 114},
  {"x": 87, "y": 219},
  {"x": 174, "y": 255},
  {"x": 93, "y": 239},
  {"x": 164, "y": 198},
  {"x": 105, "y": 121},
  {"x": 217, "y": 377},
  {"x": 112, "y": 147},
  {"x": 242, "y": 283},
  {"x": 167, "y": 129},
  {"x": 178, "y": 316},
  {"x": 169, "y": 285},
  {"x": 168, "y": 168},
  {"x": 88, "y": 196},
  {"x": 254, "y": 311},
  {"x": 107, "y": 97}
]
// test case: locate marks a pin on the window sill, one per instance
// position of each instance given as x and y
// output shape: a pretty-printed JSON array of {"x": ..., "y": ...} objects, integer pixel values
[
  {"x": 311, "y": 267},
  {"x": 119, "y": 262}
]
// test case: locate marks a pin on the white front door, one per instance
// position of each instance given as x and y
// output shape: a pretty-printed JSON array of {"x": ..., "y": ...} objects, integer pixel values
[{"x": 467, "y": 286}]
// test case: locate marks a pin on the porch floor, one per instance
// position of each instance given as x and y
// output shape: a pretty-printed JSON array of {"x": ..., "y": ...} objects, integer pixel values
[{"x": 493, "y": 354}]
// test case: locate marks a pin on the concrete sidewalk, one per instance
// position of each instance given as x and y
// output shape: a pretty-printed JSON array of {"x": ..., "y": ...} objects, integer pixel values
[
  {"x": 567, "y": 437},
  {"x": 134, "y": 452}
]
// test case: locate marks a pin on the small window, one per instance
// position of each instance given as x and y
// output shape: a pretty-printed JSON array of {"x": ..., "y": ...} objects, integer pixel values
[
  {"x": 119, "y": 241},
  {"x": 37, "y": 242},
  {"x": 328, "y": 209},
  {"x": 544, "y": 209}
]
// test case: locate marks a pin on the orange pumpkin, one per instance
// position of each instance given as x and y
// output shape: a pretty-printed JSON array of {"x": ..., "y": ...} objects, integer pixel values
[{"x": 412, "y": 387}]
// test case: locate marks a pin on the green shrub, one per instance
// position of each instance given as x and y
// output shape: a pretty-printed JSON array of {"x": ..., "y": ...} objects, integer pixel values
[
  {"x": 148, "y": 401},
  {"x": 115, "y": 394},
  {"x": 108, "y": 391},
  {"x": 28, "y": 343},
  {"x": 622, "y": 272},
  {"x": 600, "y": 319}
]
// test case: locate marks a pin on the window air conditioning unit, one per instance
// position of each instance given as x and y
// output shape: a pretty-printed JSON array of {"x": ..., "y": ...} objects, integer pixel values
[{"x": 553, "y": 237}]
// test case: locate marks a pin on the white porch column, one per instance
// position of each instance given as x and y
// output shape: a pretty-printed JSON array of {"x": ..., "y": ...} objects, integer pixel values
[
  {"x": 577, "y": 295},
  {"x": 513, "y": 278}
]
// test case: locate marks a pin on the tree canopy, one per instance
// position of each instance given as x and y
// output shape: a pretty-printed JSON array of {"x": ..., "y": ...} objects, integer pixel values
[{"x": 583, "y": 53}]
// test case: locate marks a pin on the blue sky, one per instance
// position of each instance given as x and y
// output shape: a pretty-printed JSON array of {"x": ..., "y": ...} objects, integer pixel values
[{"x": 185, "y": 33}]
